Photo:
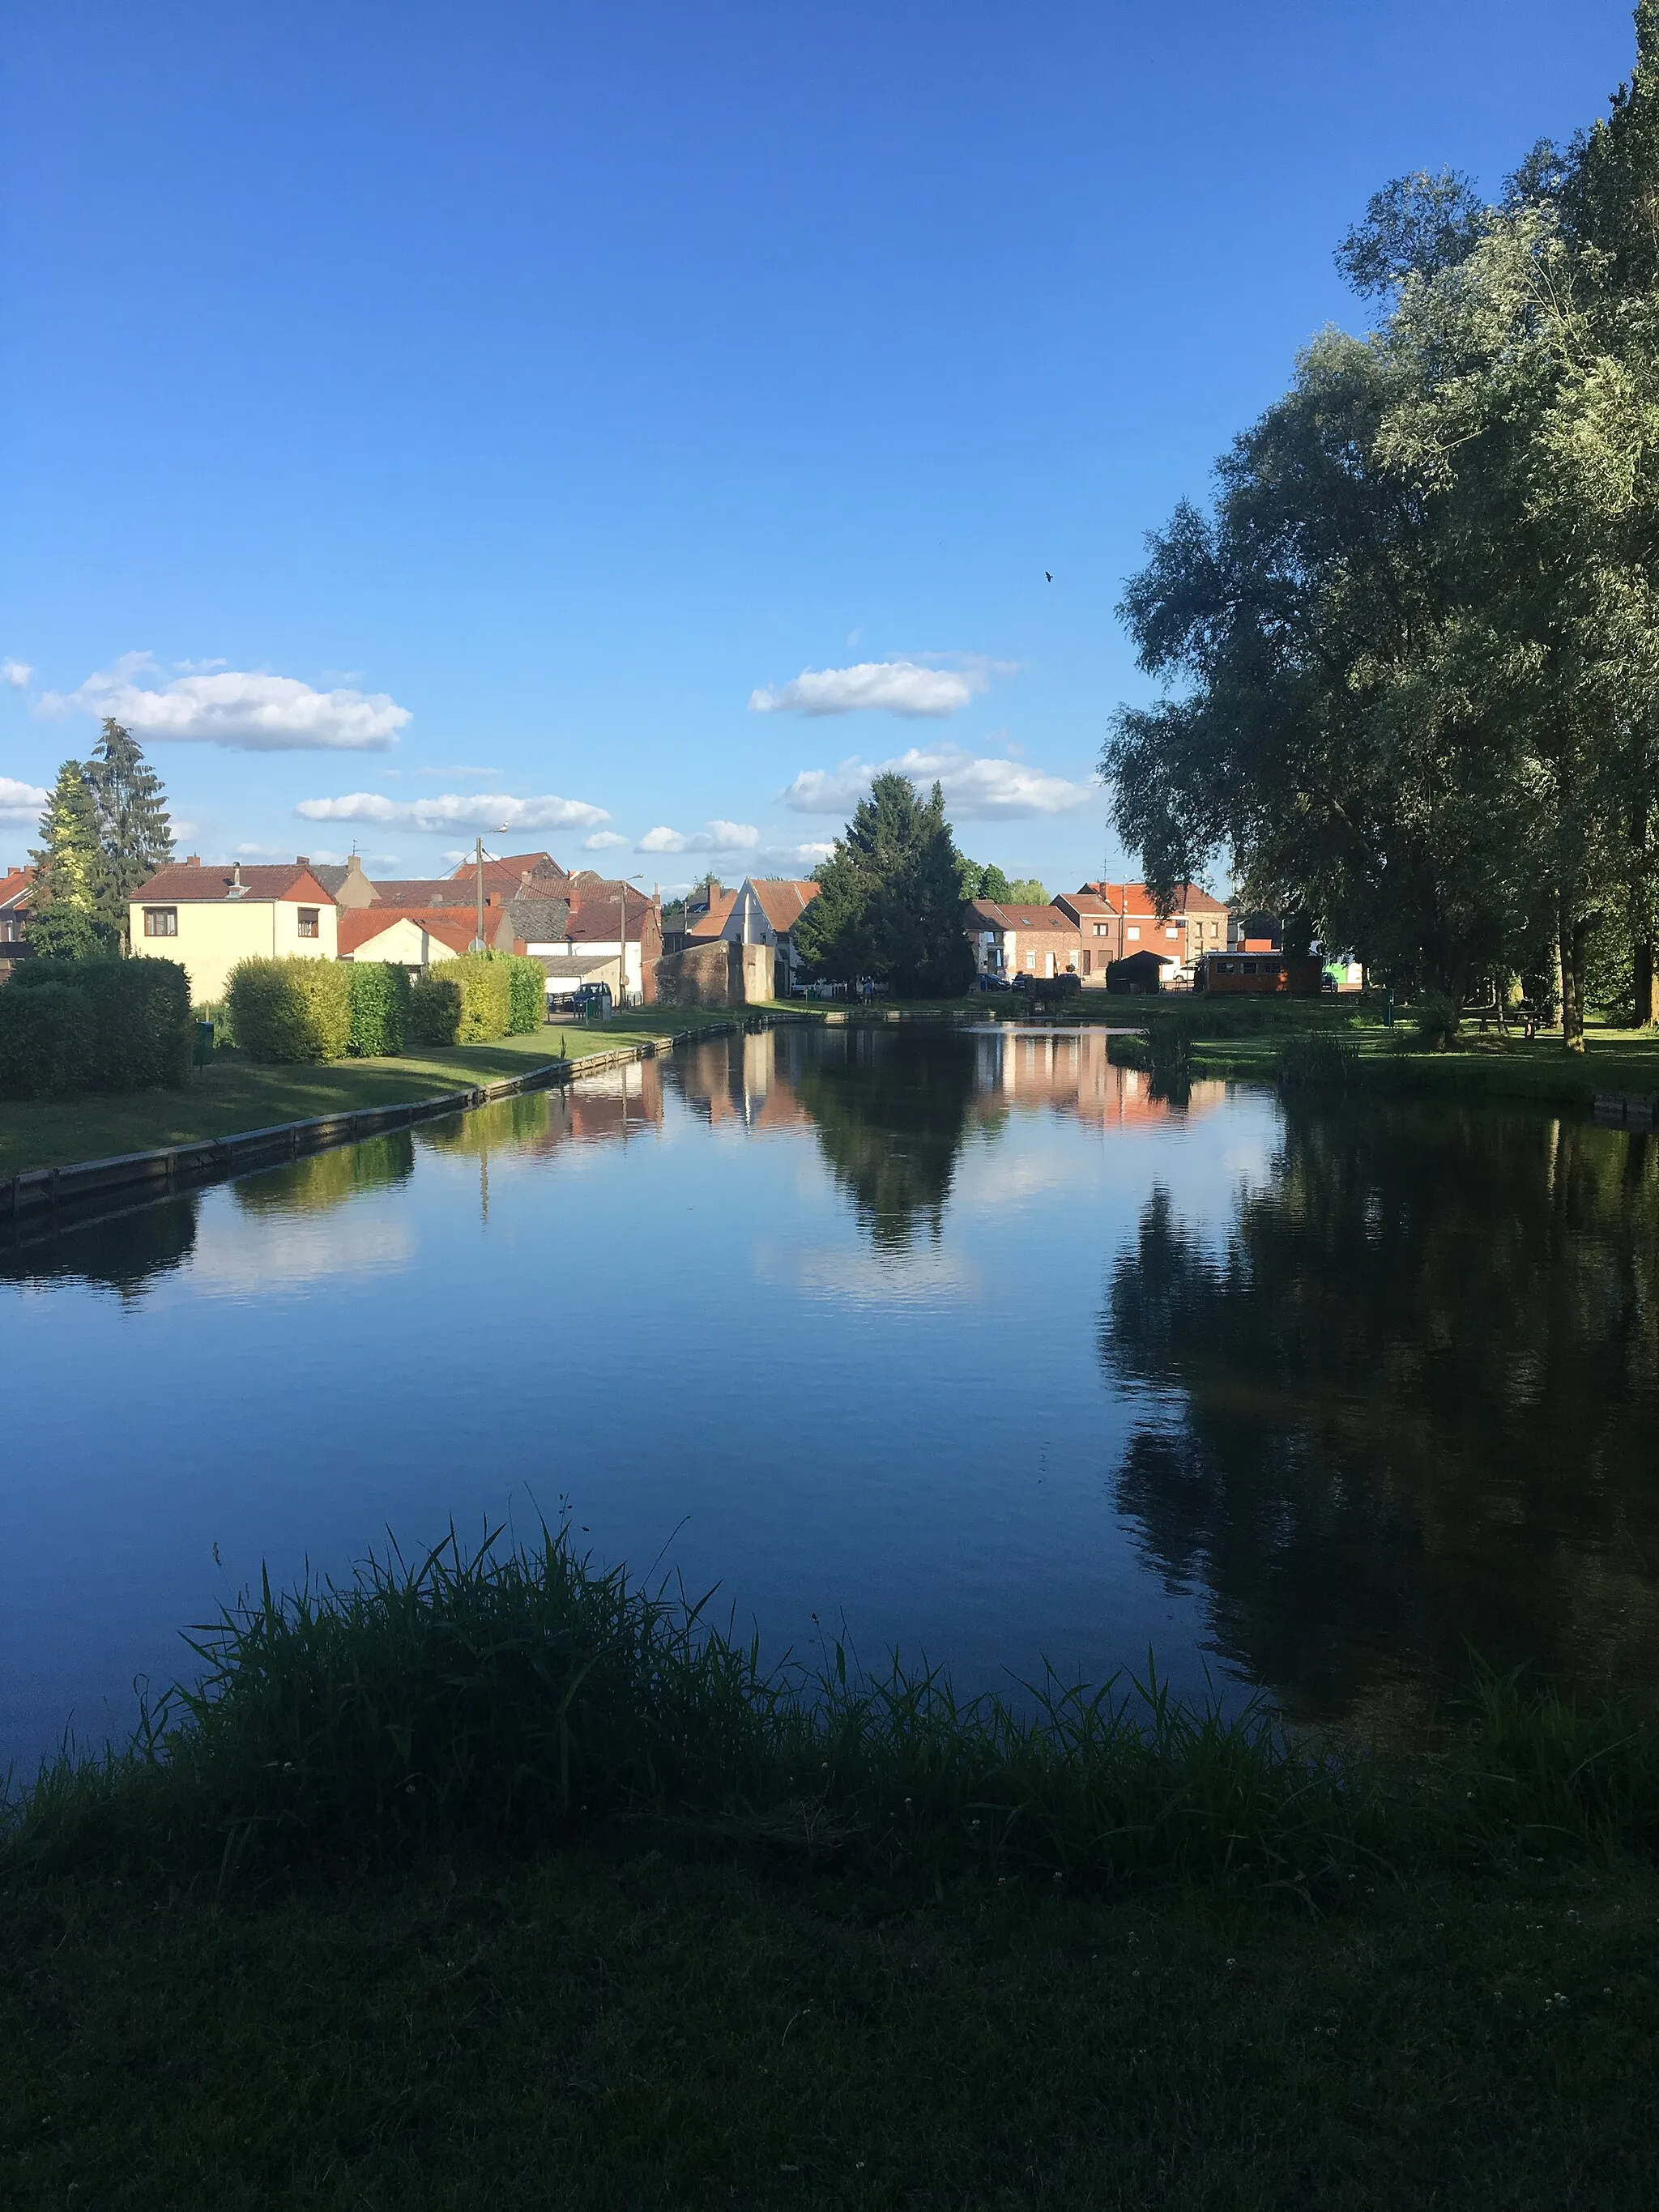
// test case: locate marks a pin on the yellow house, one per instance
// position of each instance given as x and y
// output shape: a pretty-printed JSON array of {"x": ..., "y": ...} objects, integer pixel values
[{"x": 207, "y": 918}]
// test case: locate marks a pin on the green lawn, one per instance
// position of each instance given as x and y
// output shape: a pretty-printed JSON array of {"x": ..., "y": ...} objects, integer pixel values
[
  {"x": 234, "y": 1094},
  {"x": 587, "y": 2032},
  {"x": 1488, "y": 1067}
]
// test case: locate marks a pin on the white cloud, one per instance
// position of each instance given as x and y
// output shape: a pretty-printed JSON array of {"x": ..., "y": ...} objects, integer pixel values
[
  {"x": 602, "y": 840},
  {"x": 243, "y": 710},
  {"x": 21, "y": 802},
  {"x": 975, "y": 788},
  {"x": 15, "y": 672},
  {"x": 455, "y": 810},
  {"x": 718, "y": 837},
  {"x": 894, "y": 687}
]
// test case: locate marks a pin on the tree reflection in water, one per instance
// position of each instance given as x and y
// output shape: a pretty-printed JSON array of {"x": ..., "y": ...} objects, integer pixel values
[
  {"x": 1410, "y": 1407},
  {"x": 128, "y": 1251},
  {"x": 891, "y": 1109}
]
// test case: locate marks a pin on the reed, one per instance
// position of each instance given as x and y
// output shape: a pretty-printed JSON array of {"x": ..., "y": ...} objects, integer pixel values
[{"x": 520, "y": 1696}]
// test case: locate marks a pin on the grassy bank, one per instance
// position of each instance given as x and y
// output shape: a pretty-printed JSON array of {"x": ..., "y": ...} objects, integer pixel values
[
  {"x": 496, "y": 1882},
  {"x": 1246, "y": 1042},
  {"x": 234, "y": 1094},
  {"x": 591, "y": 2031}
]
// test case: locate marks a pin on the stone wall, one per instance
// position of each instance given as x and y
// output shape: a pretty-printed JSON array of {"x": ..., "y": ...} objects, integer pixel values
[{"x": 715, "y": 974}]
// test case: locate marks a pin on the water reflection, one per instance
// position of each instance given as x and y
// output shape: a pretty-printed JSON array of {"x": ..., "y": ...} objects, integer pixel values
[
  {"x": 129, "y": 1252},
  {"x": 327, "y": 1180},
  {"x": 1406, "y": 1401}
]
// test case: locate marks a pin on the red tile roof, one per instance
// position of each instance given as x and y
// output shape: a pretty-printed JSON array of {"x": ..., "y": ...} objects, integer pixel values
[
  {"x": 783, "y": 900},
  {"x": 13, "y": 885},
  {"x": 181, "y": 883},
  {"x": 1135, "y": 900},
  {"x": 452, "y": 926},
  {"x": 992, "y": 914},
  {"x": 514, "y": 865},
  {"x": 710, "y": 925}
]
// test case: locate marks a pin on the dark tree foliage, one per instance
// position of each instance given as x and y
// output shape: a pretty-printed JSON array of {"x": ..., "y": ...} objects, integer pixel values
[
  {"x": 979, "y": 881},
  {"x": 889, "y": 898},
  {"x": 1414, "y": 227},
  {"x": 134, "y": 833}
]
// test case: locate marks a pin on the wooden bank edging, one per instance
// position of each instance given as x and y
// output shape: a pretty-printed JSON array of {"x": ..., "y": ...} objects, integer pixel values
[{"x": 36, "y": 1191}]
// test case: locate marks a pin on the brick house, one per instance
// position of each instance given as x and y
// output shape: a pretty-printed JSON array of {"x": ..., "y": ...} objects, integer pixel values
[
  {"x": 1023, "y": 940},
  {"x": 1115, "y": 921}
]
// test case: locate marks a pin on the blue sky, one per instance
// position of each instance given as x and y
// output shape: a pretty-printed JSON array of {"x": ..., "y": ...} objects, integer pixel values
[{"x": 516, "y": 403}]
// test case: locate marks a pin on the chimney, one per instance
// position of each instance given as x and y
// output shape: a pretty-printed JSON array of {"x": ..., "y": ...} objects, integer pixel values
[
  {"x": 302, "y": 860},
  {"x": 192, "y": 860}
]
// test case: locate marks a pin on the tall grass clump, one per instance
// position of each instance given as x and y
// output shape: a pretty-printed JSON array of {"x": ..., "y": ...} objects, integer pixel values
[
  {"x": 519, "y": 1696},
  {"x": 1170, "y": 1043},
  {"x": 1321, "y": 1058}
]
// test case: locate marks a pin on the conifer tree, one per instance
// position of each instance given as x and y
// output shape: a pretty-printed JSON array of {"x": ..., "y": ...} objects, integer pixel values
[
  {"x": 889, "y": 897},
  {"x": 134, "y": 833},
  {"x": 62, "y": 918}
]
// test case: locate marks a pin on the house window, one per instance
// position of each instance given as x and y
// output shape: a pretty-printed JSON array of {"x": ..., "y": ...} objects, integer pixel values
[
  {"x": 1103, "y": 928},
  {"x": 1030, "y": 960},
  {"x": 161, "y": 922},
  {"x": 308, "y": 921},
  {"x": 1172, "y": 931},
  {"x": 1133, "y": 930}
]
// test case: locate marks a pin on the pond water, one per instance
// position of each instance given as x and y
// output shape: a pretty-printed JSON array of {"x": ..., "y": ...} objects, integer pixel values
[{"x": 960, "y": 1341}]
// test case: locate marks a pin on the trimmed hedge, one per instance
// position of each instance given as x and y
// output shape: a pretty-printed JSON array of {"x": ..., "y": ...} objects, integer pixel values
[
  {"x": 291, "y": 1010},
  {"x": 526, "y": 994},
  {"x": 486, "y": 996},
  {"x": 107, "y": 1024},
  {"x": 434, "y": 1009},
  {"x": 45, "y": 1042},
  {"x": 379, "y": 1008}
]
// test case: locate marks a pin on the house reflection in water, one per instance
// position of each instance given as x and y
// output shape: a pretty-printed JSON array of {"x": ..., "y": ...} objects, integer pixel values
[{"x": 1071, "y": 1071}]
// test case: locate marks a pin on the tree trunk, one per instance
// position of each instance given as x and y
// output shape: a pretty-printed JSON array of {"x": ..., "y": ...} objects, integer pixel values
[
  {"x": 1573, "y": 978},
  {"x": 1647, "y": 984}
]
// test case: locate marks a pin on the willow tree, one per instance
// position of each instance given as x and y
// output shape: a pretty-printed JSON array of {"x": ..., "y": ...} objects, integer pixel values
[{"x": 1413, "y": 655}]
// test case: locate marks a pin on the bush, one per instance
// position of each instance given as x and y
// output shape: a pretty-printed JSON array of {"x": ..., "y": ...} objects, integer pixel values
[
  {"x": 486, "y": 996},
  {"x": 291, "y": 1010},
  {"x": 1434, "y": 1016},
  {"x": 435, "y": 1010},
  {"x": 137, "y": 1024},
  {"x": 45, "y": 1042},
  {"x": 526, "y": 994},
  {"x": 379, "y": 1008}
]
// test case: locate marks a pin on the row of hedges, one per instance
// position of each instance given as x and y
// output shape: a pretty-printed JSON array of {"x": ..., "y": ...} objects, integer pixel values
[
  {"x": 71, "y": 1026},
  {"x": 308, "y": 1010}
]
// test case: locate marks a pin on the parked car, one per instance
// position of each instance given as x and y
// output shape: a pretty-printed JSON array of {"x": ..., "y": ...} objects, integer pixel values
[{"x": 992, "y": 980}]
